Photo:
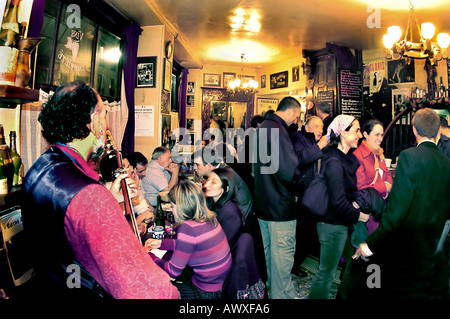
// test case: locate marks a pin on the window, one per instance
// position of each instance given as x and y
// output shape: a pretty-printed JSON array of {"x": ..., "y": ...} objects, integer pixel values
[{"x": 90, "y": 52}]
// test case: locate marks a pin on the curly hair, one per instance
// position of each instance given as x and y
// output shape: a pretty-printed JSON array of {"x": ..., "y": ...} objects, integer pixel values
[{"x": 65, "y": 115}]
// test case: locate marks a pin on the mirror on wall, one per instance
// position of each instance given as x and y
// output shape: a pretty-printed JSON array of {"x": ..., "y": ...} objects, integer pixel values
[
  {"x": 234, "y": 109},
  {"x": 233, "y": 114}
]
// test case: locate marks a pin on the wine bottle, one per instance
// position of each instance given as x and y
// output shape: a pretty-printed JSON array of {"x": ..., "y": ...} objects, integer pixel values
[
  {"x": 16, "y": 159},
  {"x": 159, "y": 213},
  {"x": 5, "y": 164},
  {"x": 9, "y": 34}
]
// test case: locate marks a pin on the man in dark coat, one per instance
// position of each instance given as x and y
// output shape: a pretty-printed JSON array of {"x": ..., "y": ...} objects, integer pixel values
[
  {"x": 405, "y": 242},
  {"x": 308, "y": 143},
  {"x": 274, "y": 203}
]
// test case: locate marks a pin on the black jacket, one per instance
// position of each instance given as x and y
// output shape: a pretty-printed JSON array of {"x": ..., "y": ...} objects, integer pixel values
[
  {"x": 341, "y": 181},
  {"x": 308, "y": 153},
  {"x": 274, "y": 171}
]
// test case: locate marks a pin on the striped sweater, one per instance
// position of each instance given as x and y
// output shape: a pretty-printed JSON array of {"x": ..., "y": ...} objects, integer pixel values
[{"x": 204, "y": 248}]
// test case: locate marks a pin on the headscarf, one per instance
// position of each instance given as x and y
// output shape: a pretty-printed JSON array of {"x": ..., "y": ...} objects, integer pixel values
[{"x": 339, "y": 124}]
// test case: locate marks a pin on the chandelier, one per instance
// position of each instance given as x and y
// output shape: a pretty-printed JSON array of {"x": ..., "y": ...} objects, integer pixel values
[
  {"x": 246, "y": 85},
  {"x": 423, "y": 48}
]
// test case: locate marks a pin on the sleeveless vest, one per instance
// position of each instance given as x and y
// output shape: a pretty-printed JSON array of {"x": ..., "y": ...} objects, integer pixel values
[{"x": 49, "y": 186}]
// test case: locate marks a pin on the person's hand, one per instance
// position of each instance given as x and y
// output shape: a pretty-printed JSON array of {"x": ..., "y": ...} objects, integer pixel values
[
  {"x": 360, "y": 253},
  {"x": 152, "y": 244},
  {"x": 322, "y": 142},
  {"x": 388, "y": 187},
  {"x": 363, "y": 217},
  {"x": 142, "y": 227},
  {"x": 173, "y": 168}
]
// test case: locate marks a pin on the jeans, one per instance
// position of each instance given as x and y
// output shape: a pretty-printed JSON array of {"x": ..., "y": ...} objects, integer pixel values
[
  {"x": 279, "y": 247},
  {"x": 332, "y": 241}
]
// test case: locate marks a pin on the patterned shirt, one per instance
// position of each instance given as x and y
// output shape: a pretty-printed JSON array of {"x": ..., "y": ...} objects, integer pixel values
[{"x": 105, "y": 245}]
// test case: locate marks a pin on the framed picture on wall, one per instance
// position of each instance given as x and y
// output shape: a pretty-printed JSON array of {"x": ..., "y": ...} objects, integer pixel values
[
  {"x": 400, "y": 72},
  {"x": 146, "y": 72},
  {"x": 167, "y": 75},
  {"x": 190, "y": 124},
  {"x": 279, "y": 80},
  {"x": 263, "y": 81},
  {"x": 210, "y": 79},
  {"x": 165, "y": 129},
  {"x": 227, "y": 77},
  {"x": 296, "y": 73},
  {"x": 190, "y": 99},
  {"x": 190, "y": 87}
]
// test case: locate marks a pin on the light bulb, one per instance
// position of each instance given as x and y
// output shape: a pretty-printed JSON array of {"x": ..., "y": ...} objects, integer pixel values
[
  {"x": 231, "y": 85},
  {"x": 388, "y": 41},
  {"x": 395, "y": 32},
  {"x": 443, "y": 40},
  {"x": 237, "y": 82},
  {"x": 427, "y": 30}
]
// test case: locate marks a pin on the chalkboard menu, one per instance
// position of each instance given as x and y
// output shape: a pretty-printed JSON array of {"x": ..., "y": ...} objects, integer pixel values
[
  {"x": 350, "y": 92},
  {"x": 326, "y": 97}
]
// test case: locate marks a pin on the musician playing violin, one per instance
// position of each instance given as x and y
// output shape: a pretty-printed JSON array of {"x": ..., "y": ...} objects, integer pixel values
[{"x": 77, "y": 222}]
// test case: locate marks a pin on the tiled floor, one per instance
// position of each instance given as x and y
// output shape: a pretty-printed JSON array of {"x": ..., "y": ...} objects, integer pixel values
[{"x": 310, "y": 265}]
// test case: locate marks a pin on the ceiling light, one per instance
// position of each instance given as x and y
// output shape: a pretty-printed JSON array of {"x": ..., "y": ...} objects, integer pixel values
[
  {"x": 422, "y": 49},
  {"x": 246, "y": 85}
]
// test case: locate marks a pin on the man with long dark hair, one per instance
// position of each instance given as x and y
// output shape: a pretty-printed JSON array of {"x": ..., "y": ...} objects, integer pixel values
[{"x": 87, "y": 248}]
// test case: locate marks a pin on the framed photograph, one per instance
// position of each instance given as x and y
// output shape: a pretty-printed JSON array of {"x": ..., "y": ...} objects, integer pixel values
[
  {"x": 263, "y": 81},
  {"x": 279, "y": 80},
  {"x": 296, "y": 73},
  {"x": 165, "y": 129},
  {"x": 165, "y": 102},
  {"x": 227, "y": 77},
  {"x": 190, "y": 87},
  {"x": 210, "y": 79},
  {"x": 190, "y": 99},
  {"x": 400, "y": 72},
  {"x": 190, "y": 124},
  {"x": 146, "y": 72},
  {"x": 167, "y": 75}
]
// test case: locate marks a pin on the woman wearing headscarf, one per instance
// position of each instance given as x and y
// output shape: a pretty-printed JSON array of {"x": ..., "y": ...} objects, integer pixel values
[
  {"x": 343, "y": 134},
  {"x": 220, "y": 198}
]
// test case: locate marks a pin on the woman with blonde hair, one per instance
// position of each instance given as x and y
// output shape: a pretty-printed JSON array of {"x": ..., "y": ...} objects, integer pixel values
[{"x": 201, "y": 245}]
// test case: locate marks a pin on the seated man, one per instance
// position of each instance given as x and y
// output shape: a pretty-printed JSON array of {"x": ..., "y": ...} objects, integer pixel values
[{"x": 161, "y": 174}]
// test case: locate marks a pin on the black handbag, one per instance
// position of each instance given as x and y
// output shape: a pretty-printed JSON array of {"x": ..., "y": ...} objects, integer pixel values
[{"x": 316, "y": 199}]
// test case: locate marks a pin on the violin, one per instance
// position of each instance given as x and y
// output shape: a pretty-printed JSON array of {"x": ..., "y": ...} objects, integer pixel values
[{"x": 129, "y": 210}]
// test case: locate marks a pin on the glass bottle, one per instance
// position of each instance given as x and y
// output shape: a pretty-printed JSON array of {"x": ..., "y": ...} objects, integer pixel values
[
  {"x": 159, "y": 213},
  {"x": 16, "y": 159},
  {"x": 5, "y": 164},
  {"x": 9, "y": 34}
]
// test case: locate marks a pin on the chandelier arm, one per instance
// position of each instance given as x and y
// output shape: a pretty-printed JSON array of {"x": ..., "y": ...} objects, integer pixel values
[{"x": 418, "y": 28}]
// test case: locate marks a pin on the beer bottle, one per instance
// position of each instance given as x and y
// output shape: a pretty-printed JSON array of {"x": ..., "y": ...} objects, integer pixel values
[
  {"x": 16, "y": 160},
  {"x": 9, "y": 34}
]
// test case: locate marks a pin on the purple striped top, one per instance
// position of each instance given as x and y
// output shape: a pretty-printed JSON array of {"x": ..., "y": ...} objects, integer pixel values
[{"x": 204, "y": 248}]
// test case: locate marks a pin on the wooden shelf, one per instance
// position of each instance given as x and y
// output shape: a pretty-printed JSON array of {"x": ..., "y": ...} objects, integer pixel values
[
  {"x": 12, "y": 198},
  {"x": 17, "y": 95}
]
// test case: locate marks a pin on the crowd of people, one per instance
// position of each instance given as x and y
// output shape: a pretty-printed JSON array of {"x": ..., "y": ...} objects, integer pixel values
[{"x": 247, "y": 213}]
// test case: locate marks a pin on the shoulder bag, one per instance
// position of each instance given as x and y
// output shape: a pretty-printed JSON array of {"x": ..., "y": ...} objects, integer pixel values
[{"x": 316, "y": 199}]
